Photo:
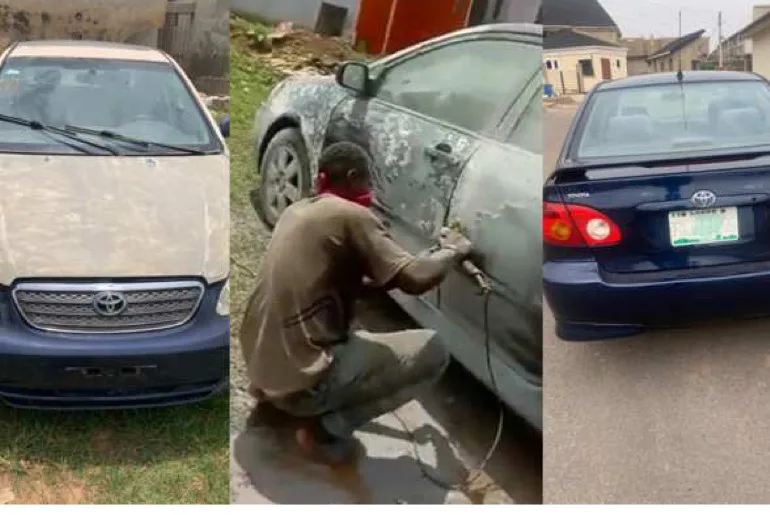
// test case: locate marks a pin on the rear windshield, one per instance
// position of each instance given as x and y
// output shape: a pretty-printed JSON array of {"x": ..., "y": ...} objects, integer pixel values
[{"x": 669, "y": 119}]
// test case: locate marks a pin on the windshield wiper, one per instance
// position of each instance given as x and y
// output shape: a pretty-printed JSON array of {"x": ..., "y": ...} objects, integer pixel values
[
  {"x": 138, "y": 142},
  {"x": 49, "y": 129}
]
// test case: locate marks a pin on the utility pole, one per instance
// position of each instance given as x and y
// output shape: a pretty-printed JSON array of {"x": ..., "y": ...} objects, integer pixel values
[
  {"x": 680, "y": 35},
  {"x": 719, "y": 41}
]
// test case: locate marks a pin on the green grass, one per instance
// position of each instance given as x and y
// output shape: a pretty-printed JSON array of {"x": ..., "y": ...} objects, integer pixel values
[
  {"x": 171, "y": 455},
  {"x": 251, "y": 81}
]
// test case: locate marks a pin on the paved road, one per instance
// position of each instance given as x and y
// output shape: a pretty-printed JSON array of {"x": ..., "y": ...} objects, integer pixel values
[{"x": 668, "y": 417}]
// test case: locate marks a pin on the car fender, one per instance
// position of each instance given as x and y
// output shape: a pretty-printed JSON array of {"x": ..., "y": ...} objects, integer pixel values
[{"x": 306, "y": 102}]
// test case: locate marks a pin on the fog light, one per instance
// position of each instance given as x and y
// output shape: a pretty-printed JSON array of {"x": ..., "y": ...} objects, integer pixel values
[
  {"x": 223, "y": 304},
  {"x": 598, "y": 229}
]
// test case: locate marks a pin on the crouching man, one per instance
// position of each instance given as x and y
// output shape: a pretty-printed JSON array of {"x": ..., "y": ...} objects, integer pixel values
[{"x": 302, "y": 357}]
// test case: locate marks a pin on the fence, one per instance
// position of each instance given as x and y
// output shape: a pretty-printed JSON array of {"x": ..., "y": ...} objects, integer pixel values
[{"x": 569, "y": 83}]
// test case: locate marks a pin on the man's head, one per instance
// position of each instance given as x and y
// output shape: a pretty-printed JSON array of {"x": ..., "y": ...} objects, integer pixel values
[{"x": 344, "y": 171}]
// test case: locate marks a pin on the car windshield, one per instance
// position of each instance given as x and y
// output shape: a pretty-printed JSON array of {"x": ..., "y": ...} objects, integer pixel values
[
  {"x": 675, "y": 118},
  {"x": 142, "y": 100}
]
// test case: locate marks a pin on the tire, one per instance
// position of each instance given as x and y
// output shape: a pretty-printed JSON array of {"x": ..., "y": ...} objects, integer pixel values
[{"x": 284, "y": 172}]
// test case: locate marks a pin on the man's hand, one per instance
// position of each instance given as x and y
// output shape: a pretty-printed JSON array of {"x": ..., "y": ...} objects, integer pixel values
[{"x": 454, "y": 240}]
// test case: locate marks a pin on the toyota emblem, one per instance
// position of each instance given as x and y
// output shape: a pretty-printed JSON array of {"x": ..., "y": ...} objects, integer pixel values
[
  {"x": 703, "y": 198},
  {"x": 110, "y": 303}
]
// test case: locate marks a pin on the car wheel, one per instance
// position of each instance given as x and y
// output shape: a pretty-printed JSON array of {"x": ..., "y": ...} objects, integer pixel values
[{"x": 284, "y": 175}]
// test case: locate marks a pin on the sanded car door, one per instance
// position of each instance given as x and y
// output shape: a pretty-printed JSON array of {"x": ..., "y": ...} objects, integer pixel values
[
  {"x": 498, "y": 202},
  {"x": 422, "y": 124}
]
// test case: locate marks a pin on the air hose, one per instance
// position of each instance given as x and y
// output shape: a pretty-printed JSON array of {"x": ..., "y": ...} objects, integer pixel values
[{"x": 485, "y": 291}]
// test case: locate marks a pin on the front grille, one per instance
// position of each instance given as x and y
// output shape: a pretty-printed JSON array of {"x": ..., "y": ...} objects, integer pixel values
[{"x": 107, "y": 307}]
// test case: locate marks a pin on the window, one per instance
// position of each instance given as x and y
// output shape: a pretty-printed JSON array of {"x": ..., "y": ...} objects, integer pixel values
[
  {"x": 548, "y": 65},
  {"x": 586, "y": 67},
  {"x": 143, "y": 100},
  {"x": 669, "y": 118},
  {"x": 671, "y": 65},
  {"x": 528, "y": 132},
  {"x": 555, "y": 64},
  {"x": 463, "y": 83},
  {"x": 617, "y": 63}
]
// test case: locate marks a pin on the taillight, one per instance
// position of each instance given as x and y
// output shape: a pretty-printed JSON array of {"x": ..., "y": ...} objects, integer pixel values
[{"x": 572, "y": 225}]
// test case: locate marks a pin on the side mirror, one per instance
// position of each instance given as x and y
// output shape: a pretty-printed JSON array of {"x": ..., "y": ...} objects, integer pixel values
[
  {"x": 354, "y": 76},
  {"x": 224, "y": 126}
]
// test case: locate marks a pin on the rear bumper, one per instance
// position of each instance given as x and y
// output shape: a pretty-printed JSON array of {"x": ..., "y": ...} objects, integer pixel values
[
  {"x": 46, "y": 370},
  {"x": 580, "y": 297}
]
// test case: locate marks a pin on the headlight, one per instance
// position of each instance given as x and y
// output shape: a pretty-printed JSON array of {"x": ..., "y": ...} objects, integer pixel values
[{"x": 223, "y": 304}]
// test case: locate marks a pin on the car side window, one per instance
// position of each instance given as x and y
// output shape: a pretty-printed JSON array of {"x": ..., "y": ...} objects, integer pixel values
[
  {"x": 527, "y": 131},
  {"x": 469, "y": 83}
]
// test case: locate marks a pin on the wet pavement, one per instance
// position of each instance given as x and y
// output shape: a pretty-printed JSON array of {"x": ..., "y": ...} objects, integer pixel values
[
  {"x": 678, "y": 416},
  {"x": 450, "y": 427}
]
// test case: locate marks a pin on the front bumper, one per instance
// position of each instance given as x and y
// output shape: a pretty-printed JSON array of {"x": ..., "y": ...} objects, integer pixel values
[
  {"x": 45, "y": 370},
  {"x": 581, "y": 299}
]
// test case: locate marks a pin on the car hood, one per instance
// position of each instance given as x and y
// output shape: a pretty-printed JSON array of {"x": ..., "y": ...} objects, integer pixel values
[{"x": 113, "y": 217}]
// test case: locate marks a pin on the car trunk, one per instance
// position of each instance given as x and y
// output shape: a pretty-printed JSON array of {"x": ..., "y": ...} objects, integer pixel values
[{"x": 664, "y": 232}]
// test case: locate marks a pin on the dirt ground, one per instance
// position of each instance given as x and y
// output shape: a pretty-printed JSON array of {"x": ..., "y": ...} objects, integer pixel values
[{"x": 290, "y": 49}]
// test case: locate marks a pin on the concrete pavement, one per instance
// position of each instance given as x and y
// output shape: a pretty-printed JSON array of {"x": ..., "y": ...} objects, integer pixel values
[{"x": 679, "y": 416}]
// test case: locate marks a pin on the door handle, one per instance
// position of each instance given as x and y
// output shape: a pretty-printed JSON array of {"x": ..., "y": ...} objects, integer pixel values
[{"x": 442, "y": 152}]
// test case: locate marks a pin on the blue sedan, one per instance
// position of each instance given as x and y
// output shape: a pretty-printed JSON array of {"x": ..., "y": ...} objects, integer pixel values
[{"x": 658, "y": 211}]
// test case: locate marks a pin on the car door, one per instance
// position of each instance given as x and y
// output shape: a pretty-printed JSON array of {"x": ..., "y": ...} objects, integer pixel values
[
  {"x": 498, "y": 201},
  {"x": 422, "y": 122}
]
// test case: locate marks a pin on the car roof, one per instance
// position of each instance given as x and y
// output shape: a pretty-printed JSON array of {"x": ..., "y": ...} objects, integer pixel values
[
  {"x": 509, "y": 29},
  {"x": 78, "y": 49},
  {"x": 654, "y": 79},
  {"x": 517, "y": 28}
]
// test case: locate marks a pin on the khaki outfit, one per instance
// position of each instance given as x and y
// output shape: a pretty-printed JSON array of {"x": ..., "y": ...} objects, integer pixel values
[{"x": 296, "y": 336}]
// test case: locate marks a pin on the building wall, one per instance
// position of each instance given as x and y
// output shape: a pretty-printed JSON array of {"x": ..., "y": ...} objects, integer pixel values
[
  {"x": 637, "y": 65},
  {"x": 568, "y": 79},
  {"x": 513, "y": 11},
  {"x": 761, "y": 57},
  {"x": 639, "y": 49},
  {"x": 686, "y": 55},
  {"x": 301, "y": 12},
  {"x": 137, "y": 21},
  {"x": 759, "y": 10},
  {"x": 208, "y": 59}
]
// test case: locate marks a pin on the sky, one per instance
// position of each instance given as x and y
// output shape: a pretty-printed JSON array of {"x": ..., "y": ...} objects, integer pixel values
[{"x": 660, "y": 18}]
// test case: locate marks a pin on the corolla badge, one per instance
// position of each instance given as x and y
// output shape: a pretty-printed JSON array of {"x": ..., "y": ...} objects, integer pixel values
[
  {"x": 703, "y": 198},
  {"x": 110, "y": 303}
]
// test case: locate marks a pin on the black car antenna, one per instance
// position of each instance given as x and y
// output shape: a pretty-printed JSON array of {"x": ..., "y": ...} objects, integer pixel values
[{"x": 680, "y": 77}]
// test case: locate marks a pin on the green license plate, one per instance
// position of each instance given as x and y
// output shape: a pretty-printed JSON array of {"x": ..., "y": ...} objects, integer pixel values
[{"x": 703, "y": 226}]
